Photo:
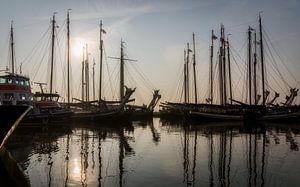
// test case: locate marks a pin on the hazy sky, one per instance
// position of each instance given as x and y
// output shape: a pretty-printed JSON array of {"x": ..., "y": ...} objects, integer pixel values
[{"x": 155, "y": 32}]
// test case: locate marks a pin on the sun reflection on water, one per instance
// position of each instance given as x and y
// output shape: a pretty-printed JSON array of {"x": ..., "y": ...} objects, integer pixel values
[{"x": 75, "y": 170}]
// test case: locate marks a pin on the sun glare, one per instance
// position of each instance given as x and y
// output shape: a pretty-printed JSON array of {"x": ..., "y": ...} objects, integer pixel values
[{"x": 77, "y": 47}]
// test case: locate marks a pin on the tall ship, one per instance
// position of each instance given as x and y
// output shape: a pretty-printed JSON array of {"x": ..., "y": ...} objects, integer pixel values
[
  {"x": 15, "y": 89},
  {"x": 222, "y": 103}
]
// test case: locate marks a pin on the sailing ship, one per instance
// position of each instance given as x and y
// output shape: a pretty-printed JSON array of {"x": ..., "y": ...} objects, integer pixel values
[
  {"x": 96, "y": 110},
  {"x": 144, "y": 111},
  {"x": 181, "y": 110},
  {"x": 134, "y": 112},
  {"x": 229, "y": 108},
  {"x": 47, "y": 103},
  {"x": 237, "y": 110},
  {"x": 105, "y": 112},
  {"x": 15, "y": 89}
]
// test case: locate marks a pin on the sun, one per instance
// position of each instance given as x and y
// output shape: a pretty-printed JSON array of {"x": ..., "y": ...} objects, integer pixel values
[{"x": 77, "y": 47}]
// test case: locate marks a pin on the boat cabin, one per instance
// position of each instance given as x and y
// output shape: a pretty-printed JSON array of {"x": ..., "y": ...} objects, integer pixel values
[
  {"x": 15, "y": 89},
  {"x": 46, "y": 100}
]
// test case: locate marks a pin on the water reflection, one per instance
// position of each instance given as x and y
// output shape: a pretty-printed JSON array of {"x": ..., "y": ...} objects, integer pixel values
[{"x": 159, "y": 153}]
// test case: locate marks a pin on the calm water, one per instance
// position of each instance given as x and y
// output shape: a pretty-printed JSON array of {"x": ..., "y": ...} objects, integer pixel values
[{"x": 159, "y": 153}]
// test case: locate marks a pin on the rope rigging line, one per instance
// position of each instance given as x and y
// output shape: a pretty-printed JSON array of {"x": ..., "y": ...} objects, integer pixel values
[
  {"x": 5, "y": 47},
  {"x": 35, "y": 47},
  {"x": 274, "y": 65},
  {"x": 147, "y": 82},
  {"x": 179, "y": 88},
  {"x": 244, "y": 65},
  {"x": 115, "y": 75},
  {"x": 270, "y": 74},
  {"x": 175, "y": 90},
  {"x": 140, "y": 81},
  {"x": 108, "y": 72},
  {"x": 43, "y": 56},
  {"x": 63, "y": 68},
  {"x": 130, "y": 78},
  {"x": 278, "y": 55}
]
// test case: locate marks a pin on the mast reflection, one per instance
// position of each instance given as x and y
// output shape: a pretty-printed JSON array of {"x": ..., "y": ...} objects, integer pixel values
[{"x": 210, "y": 154}]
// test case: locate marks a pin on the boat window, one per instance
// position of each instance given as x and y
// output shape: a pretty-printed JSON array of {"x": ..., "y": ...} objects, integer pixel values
[
  {"x": 38, "y": 98},
  {"x": 26, "y": 82},
  {"x": 2, "y": 80},
  {"x": 23, "y": 97},
  {"x": 9, "y": 80},
  {"x": 22, "y": 82}
]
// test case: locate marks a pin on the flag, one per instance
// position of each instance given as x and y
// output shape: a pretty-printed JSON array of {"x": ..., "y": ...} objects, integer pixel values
[
  {"x": 214, "y": 37},
  {"x": 251, "y": 29},
  {"x": 226, "y": 43},
  {"x": 190, "y": 50},
  {"x": 103, "y": 31}
]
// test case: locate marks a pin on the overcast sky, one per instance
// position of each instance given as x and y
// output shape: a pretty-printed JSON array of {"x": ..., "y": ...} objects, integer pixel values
[{"x": 155, "y": 32}]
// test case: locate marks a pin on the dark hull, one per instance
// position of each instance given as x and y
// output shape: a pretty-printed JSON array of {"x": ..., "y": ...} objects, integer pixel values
[
  {"x": 45, "y": 118},
  {"x": 10, "y": 116},
  {"x": 215, "y": 117},
  {"x": 293, "y": 116},
  {"x": 139, "y": 115},
  {"x": 97, "y": 116},
  {"x": 10, "y": 174}
]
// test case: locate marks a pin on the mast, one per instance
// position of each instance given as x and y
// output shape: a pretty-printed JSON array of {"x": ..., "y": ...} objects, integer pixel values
[
  {"x": 229, "y": 68},
  {"x": 52, "y": 53},
  {"x": 254, "y": 69},
  {"x": 221, "y": 77},
  {"x": 82, "y": 77},
  {"x": 194, "y": 68},
  {"x": 94, "y": 80},
  {"x": 68, "y": 57},
  {"x": 185, "y": 86},
  {"x": 211, "y": 66},
  {"x": 187, "y": 72},
  {"x": 12, "y": 48},
  {"x": 224, "y": 66},
  {"x": 101, "y": 57},
  {"x": 122, "y": 72},
  {"x": 262, "y": 62},
  {"x": 249, "y": 65},
  {"x": 87, "y": 79},
  {"x": 122, "y": 61},
  {"x": 221, "y": 68}
]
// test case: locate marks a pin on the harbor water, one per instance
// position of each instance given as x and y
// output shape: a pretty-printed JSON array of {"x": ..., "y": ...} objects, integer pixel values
[{"x": 158, "y": 153}]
